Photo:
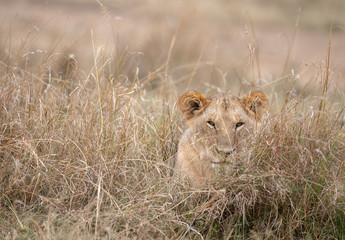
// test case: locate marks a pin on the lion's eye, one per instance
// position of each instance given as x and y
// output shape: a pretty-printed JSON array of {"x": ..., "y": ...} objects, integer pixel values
[
  {"x": 211, "y": 124},
  {"x": 238, "y": 125}
]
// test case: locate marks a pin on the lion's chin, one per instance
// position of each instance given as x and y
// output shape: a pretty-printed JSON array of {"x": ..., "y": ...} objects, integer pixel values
[
  {"x": 220, "y": 159},
  {"x": 220, "y": 162}
]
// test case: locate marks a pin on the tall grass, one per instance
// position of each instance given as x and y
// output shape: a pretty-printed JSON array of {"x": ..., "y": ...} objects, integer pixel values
[{"x": 87, "y": 155}]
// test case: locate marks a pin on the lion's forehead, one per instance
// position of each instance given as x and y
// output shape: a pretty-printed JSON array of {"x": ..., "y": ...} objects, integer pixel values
[{"x": 225, "y": 106}]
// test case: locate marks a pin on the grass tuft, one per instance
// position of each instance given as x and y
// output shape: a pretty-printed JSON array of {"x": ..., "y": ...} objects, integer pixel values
[{"x": 87, "y": 155}]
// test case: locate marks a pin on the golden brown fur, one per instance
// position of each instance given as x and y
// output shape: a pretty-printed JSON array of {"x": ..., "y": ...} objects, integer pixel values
[{"x": 216, "y": 127}]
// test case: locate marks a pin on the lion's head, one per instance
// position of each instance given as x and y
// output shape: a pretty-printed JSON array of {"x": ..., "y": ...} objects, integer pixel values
[{"x": 217, "y": 125}]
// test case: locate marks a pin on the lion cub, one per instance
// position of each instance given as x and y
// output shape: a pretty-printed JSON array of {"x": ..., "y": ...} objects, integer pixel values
[{"x": 216, "y": 126}]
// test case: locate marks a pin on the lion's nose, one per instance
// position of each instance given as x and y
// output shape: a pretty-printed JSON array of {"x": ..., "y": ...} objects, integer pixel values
[{"x": 226, "y": 152}]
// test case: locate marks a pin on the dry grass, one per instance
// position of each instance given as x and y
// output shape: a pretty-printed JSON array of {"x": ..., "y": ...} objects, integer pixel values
[{"x": 89, "y": 155}]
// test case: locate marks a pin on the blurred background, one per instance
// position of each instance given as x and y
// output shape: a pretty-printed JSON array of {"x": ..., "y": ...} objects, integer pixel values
[{"x": 195, "y": 44}]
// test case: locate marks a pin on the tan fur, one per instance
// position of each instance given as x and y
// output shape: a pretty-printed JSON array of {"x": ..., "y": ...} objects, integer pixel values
[{"x": 217, "y": 125}]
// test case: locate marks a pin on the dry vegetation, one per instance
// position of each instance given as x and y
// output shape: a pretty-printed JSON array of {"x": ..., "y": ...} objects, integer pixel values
[{"x": 87, "y": 143}]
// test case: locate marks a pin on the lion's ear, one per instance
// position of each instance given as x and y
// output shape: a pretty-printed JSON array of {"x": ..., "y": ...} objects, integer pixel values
[
  {"x": 192, "y": 104},
  {"x": 255, "y": 103}
]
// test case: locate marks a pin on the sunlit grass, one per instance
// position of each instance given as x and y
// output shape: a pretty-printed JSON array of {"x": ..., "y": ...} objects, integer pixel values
[{"x": 89, "y": 153}]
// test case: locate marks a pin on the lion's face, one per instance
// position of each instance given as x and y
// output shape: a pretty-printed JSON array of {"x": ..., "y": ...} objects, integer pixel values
[{"x": 221, "y": 122}]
